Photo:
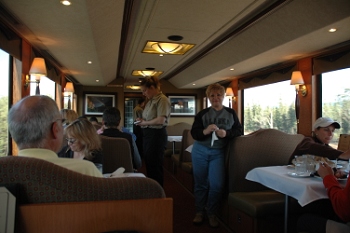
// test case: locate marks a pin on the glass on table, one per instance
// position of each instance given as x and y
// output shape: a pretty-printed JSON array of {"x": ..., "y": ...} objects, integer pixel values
[{"x": 300, "y": 165}]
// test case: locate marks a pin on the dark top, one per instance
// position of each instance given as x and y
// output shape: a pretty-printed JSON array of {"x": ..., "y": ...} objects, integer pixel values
[
  {"x": 66, "y": 152},
  {"x": 225, "y": 118},
  {"x": 116, "y": 133},
  {"x": 313, "y": 146}
]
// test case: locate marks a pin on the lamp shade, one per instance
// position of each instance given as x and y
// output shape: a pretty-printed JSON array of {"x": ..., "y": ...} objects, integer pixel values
[
  {"x": 147, "y": 73},
  {"x": 167, "y": 47},
  {"x": 38, "y": 67},
  {"x": 229, "y": 91},
  {"x": 297, "y": 78},
  {"x": 69, "y": 87}
]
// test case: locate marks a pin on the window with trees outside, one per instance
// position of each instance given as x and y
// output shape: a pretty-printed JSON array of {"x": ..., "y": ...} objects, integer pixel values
[
  {"x": 270, "y": 107},
  {"x": 4, "y": 74},
  {"x": 336, "y": 100}
]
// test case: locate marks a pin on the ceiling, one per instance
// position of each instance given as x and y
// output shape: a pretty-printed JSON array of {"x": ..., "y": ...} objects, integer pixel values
[{"x": 246, "y": 35}]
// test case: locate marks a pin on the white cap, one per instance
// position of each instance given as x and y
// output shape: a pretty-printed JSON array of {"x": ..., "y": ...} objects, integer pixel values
[{"x": 324, "y": 122}]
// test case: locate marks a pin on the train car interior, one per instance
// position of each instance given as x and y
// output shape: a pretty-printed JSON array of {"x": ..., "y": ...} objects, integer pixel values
[{"x": 96, "y": 52}]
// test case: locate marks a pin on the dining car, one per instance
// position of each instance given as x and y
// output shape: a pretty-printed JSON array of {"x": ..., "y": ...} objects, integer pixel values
[{"x": 283, "y": 64}]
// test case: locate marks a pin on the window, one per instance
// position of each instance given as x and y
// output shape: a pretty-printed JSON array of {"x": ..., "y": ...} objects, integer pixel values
[
  {"x": 4, "y": 74},
  {"x": 270, "y": 106},
  {"x": 47, "y": 87},
  {"x": 336, "y": 100}
]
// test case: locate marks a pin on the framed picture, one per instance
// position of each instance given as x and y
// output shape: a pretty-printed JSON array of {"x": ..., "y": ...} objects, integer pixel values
[
  {"x": 182, "y": 105},
  {"x": 95, "y": 104}
]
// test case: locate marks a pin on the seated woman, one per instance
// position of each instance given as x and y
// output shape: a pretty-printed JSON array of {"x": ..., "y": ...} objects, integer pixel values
[
  {"x": 83, "y": 142},
  {"x": 323, "y": 130},
  {"x": 333, "y": 214},
  {"x": 69, "y": 115}
]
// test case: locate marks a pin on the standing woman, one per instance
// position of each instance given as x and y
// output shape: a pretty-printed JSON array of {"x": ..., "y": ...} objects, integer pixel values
[
  {"x": 155, "y": 118},
  {"x": 212, "y": 128}
]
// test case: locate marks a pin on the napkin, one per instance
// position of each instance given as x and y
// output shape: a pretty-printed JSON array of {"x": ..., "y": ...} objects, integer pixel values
[{"x": 213, "y": 138}]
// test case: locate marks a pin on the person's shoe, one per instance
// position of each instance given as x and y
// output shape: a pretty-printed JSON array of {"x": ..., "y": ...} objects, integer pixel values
[
  {"x": 198, "y": 219},
  {"x": 213, "y": 222}
]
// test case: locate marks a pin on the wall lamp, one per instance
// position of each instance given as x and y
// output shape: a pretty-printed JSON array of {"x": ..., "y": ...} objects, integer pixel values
[
  {"x": 230, "y": 95},
  {"x": 298, "y": 81},
  {"x": 37, "y": 70},
  {"x": 69, "y": 90}
]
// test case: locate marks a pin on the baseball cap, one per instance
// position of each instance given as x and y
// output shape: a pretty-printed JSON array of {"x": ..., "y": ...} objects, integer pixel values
[{"x": 324, "y": 122}]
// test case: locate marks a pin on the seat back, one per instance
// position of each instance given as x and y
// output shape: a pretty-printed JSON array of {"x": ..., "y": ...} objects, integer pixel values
[
  {"x": 41, "y": 181},
  {"x": 176, "y": 130},
  {"x": 344, "y": 142},
  {"x": 265, "y": 147},
  {"x": 116, "y": 154},
  {"x": 187, "y": 140}
]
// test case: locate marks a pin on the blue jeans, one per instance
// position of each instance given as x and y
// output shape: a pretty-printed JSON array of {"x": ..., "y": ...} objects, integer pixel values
[{"x": 209, "y": 176}]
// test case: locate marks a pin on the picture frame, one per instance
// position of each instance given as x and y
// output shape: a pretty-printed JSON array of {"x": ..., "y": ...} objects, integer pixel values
[
  {"x": 182, "y": 105},
  {"x": 95, "y": 104}
]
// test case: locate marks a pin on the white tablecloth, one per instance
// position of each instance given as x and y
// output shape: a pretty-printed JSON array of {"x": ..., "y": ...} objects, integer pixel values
[
  {"x": 174, "y": 138},
  {"x": 305, "y": 190}
]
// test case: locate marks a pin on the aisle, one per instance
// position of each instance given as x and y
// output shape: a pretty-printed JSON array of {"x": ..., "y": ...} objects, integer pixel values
[{"x": 184, "y": 207}]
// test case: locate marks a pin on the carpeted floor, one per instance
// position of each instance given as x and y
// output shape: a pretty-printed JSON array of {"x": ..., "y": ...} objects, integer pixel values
[{"x": 184, "y": 210}]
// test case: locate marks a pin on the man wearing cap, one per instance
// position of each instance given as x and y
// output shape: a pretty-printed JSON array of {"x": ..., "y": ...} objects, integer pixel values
[{"x": 322, "y": 134}]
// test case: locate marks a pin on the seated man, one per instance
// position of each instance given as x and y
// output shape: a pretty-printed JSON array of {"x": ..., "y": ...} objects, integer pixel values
[
  {"x": 111, "y": 120},
  {"x": 35, "y": 124}
]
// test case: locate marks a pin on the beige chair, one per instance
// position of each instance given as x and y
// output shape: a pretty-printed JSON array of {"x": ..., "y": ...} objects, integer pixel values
[
  {"x": 174, "y": 130},
  {"x": 116, "y": 153},
  {"x": 184, "y": 162}
]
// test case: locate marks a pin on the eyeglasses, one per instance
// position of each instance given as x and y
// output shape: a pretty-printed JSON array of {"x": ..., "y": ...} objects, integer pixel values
[{"x": 70, "y": 140}]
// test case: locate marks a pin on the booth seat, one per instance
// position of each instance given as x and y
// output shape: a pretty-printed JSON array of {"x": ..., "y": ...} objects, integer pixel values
[
  {"x": 174, "y": 130},
  {"x": 51, "y": 198},
  {"x": 253, "y": 207}
]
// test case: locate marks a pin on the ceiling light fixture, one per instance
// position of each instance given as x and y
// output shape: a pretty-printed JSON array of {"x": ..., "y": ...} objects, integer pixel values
[
  {"x": 146, "y": 73},
  {"x": 66, "y": 2},
  {"x": 156, "y": 47},
  {"x": 332, "y": 30}
]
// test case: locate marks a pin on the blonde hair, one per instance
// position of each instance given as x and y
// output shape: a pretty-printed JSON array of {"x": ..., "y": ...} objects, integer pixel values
[
  {"x": 215, "y": 87},
  {"x": 151, "y": 81},
  {"x": 69, "y": 115},
  {"x": 84, "y": 131}
]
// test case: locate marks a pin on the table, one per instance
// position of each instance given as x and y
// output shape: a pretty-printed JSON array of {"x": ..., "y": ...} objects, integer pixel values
[
  {"x": 305, "y": 190},
  {"x": 174, "y": 139}
]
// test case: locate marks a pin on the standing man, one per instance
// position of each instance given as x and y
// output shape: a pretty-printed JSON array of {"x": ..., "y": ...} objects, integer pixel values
[{"x": 36, "y": 126}]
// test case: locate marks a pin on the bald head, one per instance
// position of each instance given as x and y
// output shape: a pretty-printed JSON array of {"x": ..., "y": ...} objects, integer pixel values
[{"x": 30, "y": 122}]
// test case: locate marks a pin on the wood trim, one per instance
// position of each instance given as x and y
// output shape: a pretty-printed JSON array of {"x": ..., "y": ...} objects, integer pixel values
[{"x": 144, "y": 215}]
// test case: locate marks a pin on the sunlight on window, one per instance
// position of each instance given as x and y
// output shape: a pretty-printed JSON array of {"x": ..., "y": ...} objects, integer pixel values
[
  {"x": 270, "y": 107},
  {"x": 4, "y": 74},
  {"x": 336, "y": 100},
  {"x": 47, "y": 87}
]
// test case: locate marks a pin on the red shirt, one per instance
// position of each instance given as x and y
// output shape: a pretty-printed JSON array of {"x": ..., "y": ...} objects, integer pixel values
[{"x": 339, "y": 196}]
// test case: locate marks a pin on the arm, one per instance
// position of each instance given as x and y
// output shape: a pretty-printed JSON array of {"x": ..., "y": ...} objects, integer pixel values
[
  {"x": 236, "y": 129},
  {"x": 340, "y": 197},
  {"x": 309, "y": 146},
  {"x": 198, "y": 131},
  {"x": 156, "y": 121}
]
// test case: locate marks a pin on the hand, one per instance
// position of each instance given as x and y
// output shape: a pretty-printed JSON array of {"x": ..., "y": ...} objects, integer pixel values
[
  {"x": 345, "y": 155},
  {"x": 324, "y": 170},
  {"x": 221, "y": 133},
  {"x": 211, "y": 128}
]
